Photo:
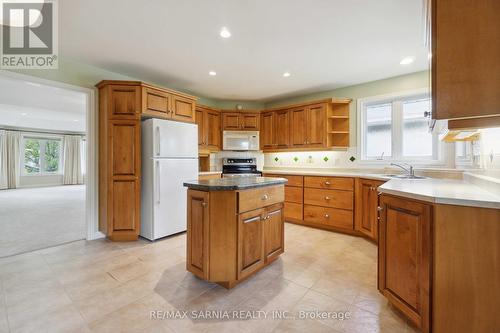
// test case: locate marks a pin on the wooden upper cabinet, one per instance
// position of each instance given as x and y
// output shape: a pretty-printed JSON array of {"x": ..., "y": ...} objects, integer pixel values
[
  {"x": 240, "y": 121},
  {"x": 316, "y": 126},
  {"x": 183, "y": 109},
  {"x": 213, "y": 135},
  {"x": 250, "y": 121},
  {"x": 155, "y": 102},
  {"x": 298, "y": 127},
  {"x": 125, "y": 101},
  {"x": 200, "y": 121},
  {"x": 404, "y": 257},
  {"x": 267, "y": 130},
  {"x": 282, "y": 128},
  {"x": 231, "y": 121},
  {"x": 465, "y": 58},
  {"x": 209, "y": 133}
]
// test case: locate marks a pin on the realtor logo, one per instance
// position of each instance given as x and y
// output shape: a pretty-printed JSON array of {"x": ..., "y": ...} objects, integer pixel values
[{"x": 29, "y": 35}]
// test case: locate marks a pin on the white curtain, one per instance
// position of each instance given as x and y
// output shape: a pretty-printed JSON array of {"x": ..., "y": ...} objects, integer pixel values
[
  {"x": 72, "y": 160},
  {"x": 10, "y": 164},
  {"x": 3, "y": 161}
]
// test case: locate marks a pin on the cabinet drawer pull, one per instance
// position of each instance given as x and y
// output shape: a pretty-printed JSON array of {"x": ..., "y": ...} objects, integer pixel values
[
  {"x": 327, "y": 216},
  {"x": 327, "y": 198},
  {"x": 253, "y": 219},
  {"x": 327, "y": 183},
  {"x": 265, "y": 197},
  {"x": 273, "y": 213},
  {"x": 204, "y": 204},
  {"x": 379, "y": 208}
]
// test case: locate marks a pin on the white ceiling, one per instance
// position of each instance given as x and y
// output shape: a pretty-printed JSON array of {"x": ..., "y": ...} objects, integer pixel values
[
  {"x": 36, "y": 106},
  {"x": 324, "y": 44}
]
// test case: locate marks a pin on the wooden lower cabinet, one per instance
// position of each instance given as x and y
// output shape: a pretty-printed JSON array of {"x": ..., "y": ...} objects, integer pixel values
[
  {"x": 274, "y": 232},
  {"x": 260, "y": 239},
  {"x": 367, "y": 203},
  {"x": 197, "y": 234},
  {"x": 404, "y": 257},
  {"x": 226, "y": 244}
]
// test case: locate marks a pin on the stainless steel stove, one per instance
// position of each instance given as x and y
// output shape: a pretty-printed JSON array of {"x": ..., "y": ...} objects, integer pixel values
[{"x": 240, "y": 167}]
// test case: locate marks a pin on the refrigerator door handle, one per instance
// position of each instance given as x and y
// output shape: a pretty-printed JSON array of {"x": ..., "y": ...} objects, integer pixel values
[
  {"x": 158, "y": 141},
  {"x": 157, "y": 183}
]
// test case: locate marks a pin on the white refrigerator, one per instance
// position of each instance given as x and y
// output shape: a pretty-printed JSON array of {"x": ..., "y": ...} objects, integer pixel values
[{"x": 169, "y": 158}]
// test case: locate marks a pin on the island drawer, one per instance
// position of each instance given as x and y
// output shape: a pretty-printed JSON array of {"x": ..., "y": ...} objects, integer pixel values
[
  {"x": 329, "y": 216},
  {"x": 293, "y": 211},
  {"x": 337, "y": 183},
  {"x": 294, "y": 194},
  {"x": 329, "y": 198},
  {"x": 297, "y": 181},
  {"x": 260, "y": 197}
]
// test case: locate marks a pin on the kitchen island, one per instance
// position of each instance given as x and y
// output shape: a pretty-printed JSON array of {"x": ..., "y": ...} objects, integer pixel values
[{"x": 235, "y": 227}]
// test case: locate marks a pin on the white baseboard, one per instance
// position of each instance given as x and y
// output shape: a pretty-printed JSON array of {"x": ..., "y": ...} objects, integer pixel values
[{"x": 97, "y": 235}]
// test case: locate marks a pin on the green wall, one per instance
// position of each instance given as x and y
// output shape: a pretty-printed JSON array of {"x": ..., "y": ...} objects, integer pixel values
[
  {"x": 87, "y": 76},
  {"x": 391, "y": 85},
  {"x": 84, "y": 75},
  {"x": 374, "y": 88}
]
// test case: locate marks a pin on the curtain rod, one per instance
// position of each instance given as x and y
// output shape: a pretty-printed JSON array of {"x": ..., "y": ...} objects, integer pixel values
[{"x": 41, "y": 131}]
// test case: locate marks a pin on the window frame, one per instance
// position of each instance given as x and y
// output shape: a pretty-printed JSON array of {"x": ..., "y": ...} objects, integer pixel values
[
  {"x": 397, "y": 100},
  {"x": 42, "y": 138}
]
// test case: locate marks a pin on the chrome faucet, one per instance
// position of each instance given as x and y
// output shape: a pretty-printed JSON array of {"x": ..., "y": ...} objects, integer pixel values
[{"x": 409, "y": 168}]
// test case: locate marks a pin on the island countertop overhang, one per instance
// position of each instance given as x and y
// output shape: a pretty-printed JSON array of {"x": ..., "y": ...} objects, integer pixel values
[{"x": 233, "y": 184}]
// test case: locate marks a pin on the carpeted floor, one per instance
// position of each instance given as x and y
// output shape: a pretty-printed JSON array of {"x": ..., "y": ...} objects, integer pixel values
[{"x": 36, "y": 218}]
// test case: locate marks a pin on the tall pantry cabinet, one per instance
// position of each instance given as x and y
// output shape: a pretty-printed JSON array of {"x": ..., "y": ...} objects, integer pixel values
[
  {"x": 122, "y": 105},
  {"x": 119, "y": 160}
]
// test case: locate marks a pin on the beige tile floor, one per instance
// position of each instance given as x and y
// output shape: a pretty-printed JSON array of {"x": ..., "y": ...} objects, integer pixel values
[{"x": 100, "y": 286}]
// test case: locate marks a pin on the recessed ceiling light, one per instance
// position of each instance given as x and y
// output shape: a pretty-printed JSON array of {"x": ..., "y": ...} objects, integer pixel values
[
  {"x": 407, "y": 60},
  {"x": 212, "y": 73},
  {"x": 75, "y": 120},
  {"x": 225, "y": 33},
  {"x": 24, "y": 114},
  {"x": 286, "y": 74}
]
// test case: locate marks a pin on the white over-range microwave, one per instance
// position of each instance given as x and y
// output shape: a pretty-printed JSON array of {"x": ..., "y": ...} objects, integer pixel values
[{"x": 240, "y": 140}]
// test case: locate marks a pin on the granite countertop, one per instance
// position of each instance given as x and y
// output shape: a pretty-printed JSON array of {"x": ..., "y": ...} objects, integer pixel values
[
  {"x": 442, "y": 191},
  {"x": 203, "y": 173},
  {"x": 233, "y": 184}
]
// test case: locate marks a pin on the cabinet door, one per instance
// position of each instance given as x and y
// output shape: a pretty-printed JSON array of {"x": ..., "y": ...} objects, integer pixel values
[
  {"x": 251, "y": 256},
  {"x": 274, "y": 234},
  {"x": 298, "y": 129},
  {"x": 316, "y": 126},
  {"x": 367, "y": 207},
  {"x": 213, "y": 135},
  {"x": 183, "y": 109},
  {"x": 200, "y": 121},
  {"x": 125, "y": 102},
  {"x": 267, "y": 130},
  {"x": 282, "y": 129},
  {"x": 465, "y": 53},
  {"x": 124, "y": 179},
  {"x": 231, "y": 121},
  {"x": 156, "y": 103},
  {"x": 197, "y": 233},
  {"x": 404, "y": 257},
  {"x": 250, "y": 121}
]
